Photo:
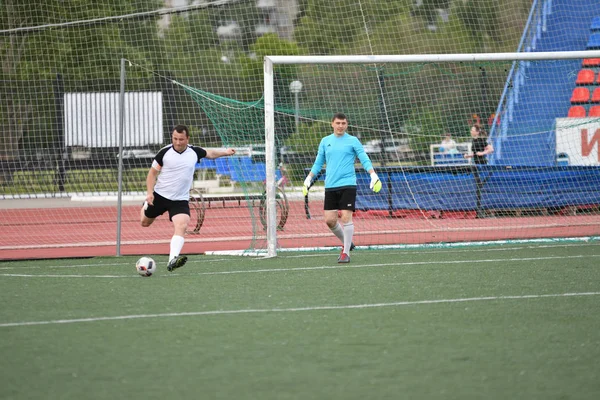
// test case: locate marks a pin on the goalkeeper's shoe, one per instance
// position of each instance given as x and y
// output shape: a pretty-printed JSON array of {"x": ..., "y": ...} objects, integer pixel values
[
  {"x": 343, "y": 258},
  {"x": 177, "y": 262}
]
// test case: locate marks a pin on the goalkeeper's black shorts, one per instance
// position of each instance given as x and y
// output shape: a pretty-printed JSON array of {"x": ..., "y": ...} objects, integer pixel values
[{"x": 342, "y": 198}]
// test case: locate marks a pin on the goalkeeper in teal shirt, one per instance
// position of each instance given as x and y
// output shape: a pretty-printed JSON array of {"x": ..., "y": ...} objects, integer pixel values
[{"x": 339, "y": 151}]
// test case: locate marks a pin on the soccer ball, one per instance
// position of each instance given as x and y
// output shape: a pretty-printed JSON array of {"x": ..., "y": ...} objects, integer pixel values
[{"x": 145, "y": 266}]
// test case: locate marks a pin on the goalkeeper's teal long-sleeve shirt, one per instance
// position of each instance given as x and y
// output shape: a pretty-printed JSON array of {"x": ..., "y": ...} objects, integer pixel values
[{"x": 339, "y": 153}]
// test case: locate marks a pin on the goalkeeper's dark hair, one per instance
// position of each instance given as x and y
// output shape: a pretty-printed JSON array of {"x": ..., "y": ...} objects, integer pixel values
[
  {"x": 339, "y": 116},
  {"x": 182, "y": 129}
]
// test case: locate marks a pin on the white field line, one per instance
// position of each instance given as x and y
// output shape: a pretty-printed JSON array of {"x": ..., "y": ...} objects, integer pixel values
[
  {"x": 436, "y": 250},
  {"x": 294, "y": 309},
  {"x": 121, "y": 264},
  {"x": 322, "y": 267},
  {"x": 285, "y": 255},
  {"x": 65, "y": 276},
  {"x": 400, "y": 264}
]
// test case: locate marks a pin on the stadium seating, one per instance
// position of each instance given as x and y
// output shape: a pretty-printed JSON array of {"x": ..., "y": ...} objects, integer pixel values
[
  {"x": 595, "y": 25},
  {"x": 240, "y": 166},
  {"x": 206, "y": 163},
  {"x": 591, "y": 62},
  {"x": 580, "y": 95},
  {"x": 594, "y": 111},
  {"x": 596, "y": 95},
  {"x": 222, "y": 165},
  {"x": 594, "y": 41},
  {"x": 585, "y": 77},
  {"x": 449, "y": 159},
  {"x": 576, "y": 112},
  {"x": 244, "y": 170}
]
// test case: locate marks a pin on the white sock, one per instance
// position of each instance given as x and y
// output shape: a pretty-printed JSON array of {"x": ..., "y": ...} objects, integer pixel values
[
  {"x": 176, "y": 246},
  {"x": 337, "y": 231},
  {"x": 348, "y": 233}
]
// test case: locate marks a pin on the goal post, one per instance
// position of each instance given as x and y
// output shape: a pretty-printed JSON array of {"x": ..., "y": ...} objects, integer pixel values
[{"x": 270, "y": 106}]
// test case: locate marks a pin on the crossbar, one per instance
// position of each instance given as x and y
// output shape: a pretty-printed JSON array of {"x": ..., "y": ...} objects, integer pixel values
[{"x": 415, "y": 58}]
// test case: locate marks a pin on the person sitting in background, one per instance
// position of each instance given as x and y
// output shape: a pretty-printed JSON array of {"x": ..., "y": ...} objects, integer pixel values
[{"x": 448, "y": 144}]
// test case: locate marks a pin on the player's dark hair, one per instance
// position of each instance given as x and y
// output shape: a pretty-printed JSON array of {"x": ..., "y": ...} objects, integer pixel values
[
  {"x": 339, "y": 115},
  {"x": 182, "y": 129}
]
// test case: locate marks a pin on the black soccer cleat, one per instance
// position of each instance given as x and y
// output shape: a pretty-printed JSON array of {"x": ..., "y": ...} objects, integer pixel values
[
  {"x": 177, "y": 262},
  {"x": 352, "y": 246}
]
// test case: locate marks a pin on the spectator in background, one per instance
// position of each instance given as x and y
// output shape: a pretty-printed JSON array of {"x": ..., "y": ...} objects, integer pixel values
[
  {"x": 474, "y": 120},
  {"x": 479, "y": 145},
  {"x": 491, "y": 120},
  {"x": 448, "y": 144}
]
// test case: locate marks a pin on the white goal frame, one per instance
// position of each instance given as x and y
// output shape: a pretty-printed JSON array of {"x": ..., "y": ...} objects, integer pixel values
[{"x": 270, "y": 61}]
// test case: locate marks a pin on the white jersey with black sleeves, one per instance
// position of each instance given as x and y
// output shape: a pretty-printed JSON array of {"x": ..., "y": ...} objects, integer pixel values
[{"x": 176, "y": 171}]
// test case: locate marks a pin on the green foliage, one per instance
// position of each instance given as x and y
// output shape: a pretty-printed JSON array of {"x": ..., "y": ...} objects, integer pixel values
[
  {"x": 252, "y": 67},
  {"x": 481, "y": 18},
  {"x": 322, "y": 30},
  {"x": 427, "y": 9},
  {"x": 425, "y": 125},
  {"x": 39, "y": 55},
  {"x": 309, "y": 136},
  {"x": 306, "y": 141}
]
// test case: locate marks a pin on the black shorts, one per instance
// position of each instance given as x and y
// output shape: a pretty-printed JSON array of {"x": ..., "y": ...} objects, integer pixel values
[
  {"x": 162, "y": 204},
  {"x": 343, "y": 198}
]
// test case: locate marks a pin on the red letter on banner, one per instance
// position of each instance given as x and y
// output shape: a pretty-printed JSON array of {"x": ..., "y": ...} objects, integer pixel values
[{"x": 587, "y": 146}]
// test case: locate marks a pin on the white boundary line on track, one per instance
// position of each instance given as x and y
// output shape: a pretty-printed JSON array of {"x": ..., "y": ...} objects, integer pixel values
[
  {"x": 294, "y": 309},
  {"x": 322, "y": 267}
]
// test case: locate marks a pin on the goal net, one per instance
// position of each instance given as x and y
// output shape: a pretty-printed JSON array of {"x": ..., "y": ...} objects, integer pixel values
[
  {"x": 415, "y": 118},
  {"x": 91, "y": 90}
]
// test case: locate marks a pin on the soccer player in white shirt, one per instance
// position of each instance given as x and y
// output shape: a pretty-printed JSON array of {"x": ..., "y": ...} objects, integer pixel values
[{"x": 168, "y": 187}]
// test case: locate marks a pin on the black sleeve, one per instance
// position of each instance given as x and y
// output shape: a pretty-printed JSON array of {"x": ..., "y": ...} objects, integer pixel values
[
  {"x": 161, "y": 153},
  {"x": 200, "y": 152}
]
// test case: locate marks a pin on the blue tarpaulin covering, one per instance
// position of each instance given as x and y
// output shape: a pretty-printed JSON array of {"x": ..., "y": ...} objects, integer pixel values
[{"x": 479, "y": 187}]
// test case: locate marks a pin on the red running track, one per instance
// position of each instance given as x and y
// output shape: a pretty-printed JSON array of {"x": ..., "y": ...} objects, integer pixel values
[{"x": 87, "y": 231}]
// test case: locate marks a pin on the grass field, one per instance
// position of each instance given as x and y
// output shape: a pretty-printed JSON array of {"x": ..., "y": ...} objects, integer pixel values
[{"x": 487, "y": 322}]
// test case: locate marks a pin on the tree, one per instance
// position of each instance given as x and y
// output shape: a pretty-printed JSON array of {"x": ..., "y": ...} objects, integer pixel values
[
  {"x": 321, "y": 30},
  {"x": 252, "y": 67},
  {"x": 32, "y": 58}
]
